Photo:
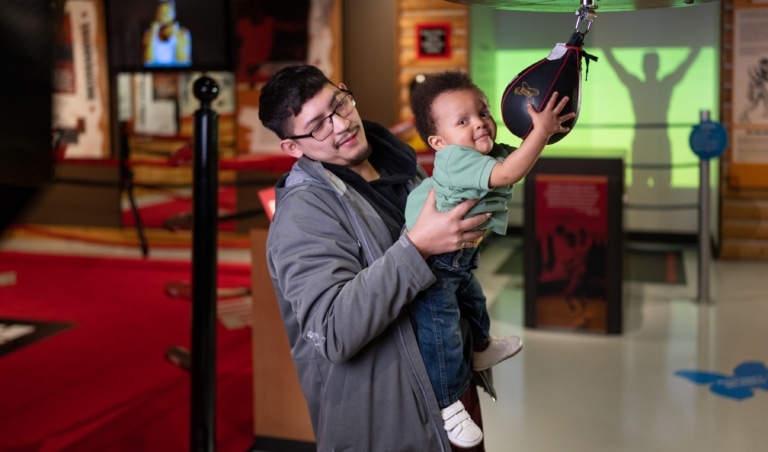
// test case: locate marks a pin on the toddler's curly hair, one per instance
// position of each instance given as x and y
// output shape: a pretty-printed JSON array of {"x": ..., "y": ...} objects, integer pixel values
[{"x": 423, "y": 94}]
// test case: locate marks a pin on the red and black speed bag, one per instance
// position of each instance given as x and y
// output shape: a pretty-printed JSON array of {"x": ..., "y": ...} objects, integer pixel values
[{"x": 559, "y": 72}]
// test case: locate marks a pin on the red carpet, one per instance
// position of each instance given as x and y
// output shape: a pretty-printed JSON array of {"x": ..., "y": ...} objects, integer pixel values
[
  {"x": 103, "y": 384},
  {"x": 168, "y": 203}
]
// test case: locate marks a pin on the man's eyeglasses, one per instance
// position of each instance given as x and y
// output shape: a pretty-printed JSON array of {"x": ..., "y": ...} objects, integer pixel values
[{"x": 325, "y": 127}]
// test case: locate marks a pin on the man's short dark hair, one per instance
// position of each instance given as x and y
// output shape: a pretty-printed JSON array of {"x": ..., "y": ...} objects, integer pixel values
[
  {"x": 425, "y": 93},
  {"x": 286, "y": 92}
]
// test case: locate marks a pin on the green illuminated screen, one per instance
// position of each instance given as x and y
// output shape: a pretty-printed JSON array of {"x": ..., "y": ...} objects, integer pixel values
[{"x": 647, "y": 122}]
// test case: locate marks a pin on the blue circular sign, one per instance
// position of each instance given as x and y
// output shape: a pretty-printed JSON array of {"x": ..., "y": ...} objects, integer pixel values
[{"x": 708, "y": 139}]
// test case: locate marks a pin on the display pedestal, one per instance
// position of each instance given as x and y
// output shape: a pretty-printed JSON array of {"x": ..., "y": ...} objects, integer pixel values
[
  {"x": 573, "y": 251},
  {"x": 80, "y": 194},
  {"x": 280, "y": 419}
]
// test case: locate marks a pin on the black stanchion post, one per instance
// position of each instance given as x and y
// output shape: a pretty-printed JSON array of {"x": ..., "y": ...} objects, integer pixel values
[
  {"x": 204, "y": 260},
  {"x": 126, "y": 186}
]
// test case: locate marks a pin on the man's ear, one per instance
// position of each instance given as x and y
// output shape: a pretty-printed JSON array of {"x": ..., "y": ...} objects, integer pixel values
[
  {"x": 436, "y": 142},
  {"x": 291, "y": 148},
  {"x": 343, "y": 87}
]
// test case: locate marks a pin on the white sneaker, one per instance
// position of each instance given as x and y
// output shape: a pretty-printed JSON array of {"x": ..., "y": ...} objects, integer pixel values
[
  {"x": 499, "y": 349},
  {"x": 462, "y": 430}
]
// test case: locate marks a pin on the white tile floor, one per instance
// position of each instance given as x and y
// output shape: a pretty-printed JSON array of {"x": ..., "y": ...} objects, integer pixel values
[
  {"x": 596, "y": 393},
  {"x": 576, "y": 392}
]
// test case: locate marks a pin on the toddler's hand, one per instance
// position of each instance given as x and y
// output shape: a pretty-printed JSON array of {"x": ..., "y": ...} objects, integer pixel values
[{"x": 549, "y": 120}]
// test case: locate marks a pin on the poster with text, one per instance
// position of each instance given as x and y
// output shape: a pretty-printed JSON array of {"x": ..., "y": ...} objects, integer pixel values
[
  {"x": 571, "y": 233},
  {"x": 80, "y": 82},
  {"x": 750, "y": 82},
  {"x": 750, "y": 92}
]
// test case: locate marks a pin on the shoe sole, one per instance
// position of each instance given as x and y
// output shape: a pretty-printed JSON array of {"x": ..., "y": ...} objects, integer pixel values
[
  {"x": 466, "y": 445},
  {"x": 480, "y": 369}
]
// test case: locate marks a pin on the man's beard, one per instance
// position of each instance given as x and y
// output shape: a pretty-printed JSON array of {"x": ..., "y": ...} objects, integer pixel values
[{"x": 360, "y": 158}]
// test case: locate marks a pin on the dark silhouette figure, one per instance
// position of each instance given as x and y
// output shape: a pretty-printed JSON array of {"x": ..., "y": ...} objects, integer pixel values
[
  {"x": 757, "y": 91},
  {"x": 574, "y": 260},
  {"x": 650, "y": 99}
]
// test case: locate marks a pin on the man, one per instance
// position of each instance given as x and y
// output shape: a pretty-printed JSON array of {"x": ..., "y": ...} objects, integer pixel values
[
  {"x": 344, "y": 270},
  {"x": 166, "y": 42}
]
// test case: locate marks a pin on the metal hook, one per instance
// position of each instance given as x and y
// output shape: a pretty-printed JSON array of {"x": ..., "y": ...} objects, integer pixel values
[{"x": 586, "y": 13}]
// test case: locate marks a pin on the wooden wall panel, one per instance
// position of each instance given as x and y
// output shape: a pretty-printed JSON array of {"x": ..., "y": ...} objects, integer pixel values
[
  {"x": 426, "y": 5},
  {"x": 280, "y": 409},
  {"x": 410, "y": 15}
]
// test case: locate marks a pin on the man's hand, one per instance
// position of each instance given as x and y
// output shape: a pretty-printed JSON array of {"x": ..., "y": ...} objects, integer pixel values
[{"x": 441, "y": 232}]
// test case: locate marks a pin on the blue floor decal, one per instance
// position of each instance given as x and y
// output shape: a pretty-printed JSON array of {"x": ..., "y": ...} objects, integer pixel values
[{"x": 747, "y": 377}]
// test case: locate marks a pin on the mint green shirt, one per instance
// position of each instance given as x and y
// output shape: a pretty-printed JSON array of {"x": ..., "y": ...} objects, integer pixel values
[{"x": 462, "y": 173}]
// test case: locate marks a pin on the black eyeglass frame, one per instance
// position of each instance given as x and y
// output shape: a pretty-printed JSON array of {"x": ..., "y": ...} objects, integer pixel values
[{"x": 347, "y": 94}]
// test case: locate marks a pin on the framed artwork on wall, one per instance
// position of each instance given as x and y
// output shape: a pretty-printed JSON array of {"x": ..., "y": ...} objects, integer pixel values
[
  {"x": 433, "y": 40},
  {"x": 272, "y": 35}
]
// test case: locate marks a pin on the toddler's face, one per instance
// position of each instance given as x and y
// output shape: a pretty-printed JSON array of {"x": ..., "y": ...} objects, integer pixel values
[{"x": 463, "y": 118}]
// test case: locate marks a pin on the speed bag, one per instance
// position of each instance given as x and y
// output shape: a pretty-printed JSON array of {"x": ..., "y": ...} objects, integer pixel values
[{"x": 559, "y": 72}]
